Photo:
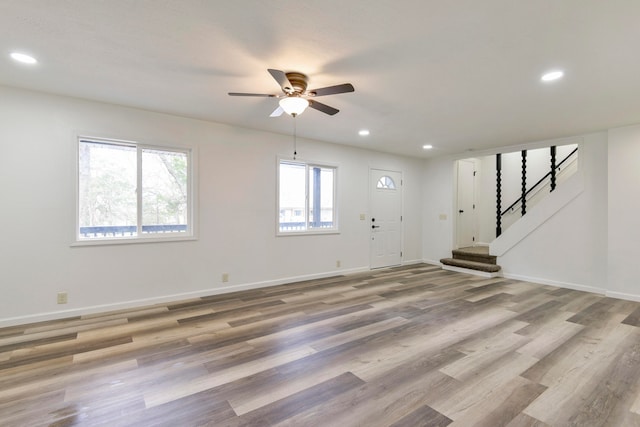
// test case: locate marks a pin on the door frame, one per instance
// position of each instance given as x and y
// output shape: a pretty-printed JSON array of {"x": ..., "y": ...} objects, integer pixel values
[
  {"x": 474, "y": 201},
  {"x": 370, "y": 208}
]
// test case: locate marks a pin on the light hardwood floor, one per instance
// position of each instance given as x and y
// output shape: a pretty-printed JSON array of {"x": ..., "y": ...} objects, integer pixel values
[{"x": 409, "y": 346}]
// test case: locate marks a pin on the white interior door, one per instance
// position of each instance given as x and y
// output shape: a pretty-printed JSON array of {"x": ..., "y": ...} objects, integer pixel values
[
  {"x": 465, "y": 228},
  {"x": 385, "y": 218}
]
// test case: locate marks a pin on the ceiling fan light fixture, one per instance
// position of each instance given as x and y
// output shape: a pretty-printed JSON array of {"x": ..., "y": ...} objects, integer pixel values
[{"x": 294, "y": 105}]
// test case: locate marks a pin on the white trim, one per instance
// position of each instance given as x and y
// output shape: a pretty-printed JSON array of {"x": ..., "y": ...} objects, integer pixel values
[
  {"x": 139, "y": 190},
  {"x": 541, "y": 213},
  {"x": 472, "y": 271},
  {"x": 540, "y": 281},
  {"x": 192, "y": 191},
  {"x": 312, "y": 231},
  {"x": 474, "y": 201},
  {"x": 622, "y": 295},
  {"x": 558, "y": 284},
  {"x": 56, "y": 315},
  {"x": 162, "y": 237}
]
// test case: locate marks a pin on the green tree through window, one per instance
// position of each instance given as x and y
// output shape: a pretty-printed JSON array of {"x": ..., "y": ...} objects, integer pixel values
[{"x": 126, "y": 190}]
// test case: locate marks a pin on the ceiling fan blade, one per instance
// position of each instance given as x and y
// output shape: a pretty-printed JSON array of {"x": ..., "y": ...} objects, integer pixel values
[
  {"x": 332, "y": 90},
  {"x": 282, "y": 80},
  {"x": 323, "y": 107},
  {"x": 265, "y": 95},
  {"x": 277, "y": 112}
]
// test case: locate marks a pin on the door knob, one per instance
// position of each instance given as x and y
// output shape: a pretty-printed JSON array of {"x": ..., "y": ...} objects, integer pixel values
[
  {"x": 460, "y": 211},
  {"x": 375, "y": 226}
]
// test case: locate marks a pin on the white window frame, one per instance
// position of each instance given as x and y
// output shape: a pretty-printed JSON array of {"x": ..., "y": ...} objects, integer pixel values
[
  {"x": 313, "y": 231},
  {"x": 190, "y": 233}
]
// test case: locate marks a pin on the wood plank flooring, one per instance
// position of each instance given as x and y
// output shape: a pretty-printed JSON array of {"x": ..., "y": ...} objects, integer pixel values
[{"x": 407, "y": 346}]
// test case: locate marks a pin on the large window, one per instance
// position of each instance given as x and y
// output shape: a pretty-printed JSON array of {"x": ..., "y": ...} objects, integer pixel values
[
  {"x": 132, "y": 191},
  {"x": 306, "y": 197}
]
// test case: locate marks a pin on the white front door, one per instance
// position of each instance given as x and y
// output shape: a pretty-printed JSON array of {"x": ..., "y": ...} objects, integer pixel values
[
  {"x": 385, "y": 220},
  {"x": 465, "y": 202}
]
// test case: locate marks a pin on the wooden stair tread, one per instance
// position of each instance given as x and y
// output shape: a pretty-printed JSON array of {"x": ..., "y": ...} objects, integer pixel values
[
  {"x": 472, "y": 265},
  {"x": 476, "y": 253}
]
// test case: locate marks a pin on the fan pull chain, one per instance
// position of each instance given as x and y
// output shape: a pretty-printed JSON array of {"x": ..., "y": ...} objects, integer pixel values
[{"x": 295, "y": 152}]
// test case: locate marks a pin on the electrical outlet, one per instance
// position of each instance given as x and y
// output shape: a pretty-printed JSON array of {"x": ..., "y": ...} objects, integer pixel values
[
  {"x": 362, "y": 217},
  {"x": 338, "y": 263},
  {"x": 62, "y": 297},
  {"x": 225, "y": 277}
]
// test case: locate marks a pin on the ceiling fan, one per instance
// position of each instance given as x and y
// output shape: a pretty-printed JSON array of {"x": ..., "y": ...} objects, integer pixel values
[{"x": 296, "y": 98}]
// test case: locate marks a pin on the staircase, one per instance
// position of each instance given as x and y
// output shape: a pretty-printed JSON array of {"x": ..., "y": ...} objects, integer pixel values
[{"x": 472, "y": 259}]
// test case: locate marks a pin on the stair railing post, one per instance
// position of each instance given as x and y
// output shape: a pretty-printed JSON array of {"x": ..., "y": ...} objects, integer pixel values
[
  {"x": 498, "y": 194},
  {"x": 553, "y": 167},
  {"x": 524, "y": 182}
]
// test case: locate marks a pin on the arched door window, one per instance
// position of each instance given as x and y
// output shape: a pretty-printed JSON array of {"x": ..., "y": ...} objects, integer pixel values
[{"x": 386, "y": 182}]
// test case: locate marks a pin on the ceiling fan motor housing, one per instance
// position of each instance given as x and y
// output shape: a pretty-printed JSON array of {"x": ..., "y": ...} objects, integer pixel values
[{"x": 298, "y": 81}]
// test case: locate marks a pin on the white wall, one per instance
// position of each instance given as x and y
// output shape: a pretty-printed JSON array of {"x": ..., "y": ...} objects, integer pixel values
[
  {"x": 438, "y": 217},
  {"x": 237, "y": 211},
  {"x": 624, "y": 212},
  {"x": 568, "y": 250},
  {"x": 511, "y": 185},
  {"x": 486, "y": 206},
  {"x": 589, "y": 244}
]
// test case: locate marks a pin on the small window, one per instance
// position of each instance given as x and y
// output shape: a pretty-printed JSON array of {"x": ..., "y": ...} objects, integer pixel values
[
  {"x": 386, "y": 182},
  {"x": 306, "y": 197},
  {"x": 131, "y": 191}
]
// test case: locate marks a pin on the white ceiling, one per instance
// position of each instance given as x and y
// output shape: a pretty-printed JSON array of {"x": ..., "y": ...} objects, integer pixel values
[{"x": 459, "y": 74}]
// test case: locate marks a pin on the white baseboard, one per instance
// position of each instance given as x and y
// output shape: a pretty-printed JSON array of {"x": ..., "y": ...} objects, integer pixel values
[
  {"x": 82, "y": 311},
  {"x": 411, "y": 262},
  {"x": 558, "y": 284},
  {"x": 41, "y": 317},
  {"x": 577, "y": 287},
  {"x": 622, "y": 295}
]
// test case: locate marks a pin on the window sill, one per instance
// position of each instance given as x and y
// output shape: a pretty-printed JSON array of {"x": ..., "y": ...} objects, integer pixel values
[
  {"x": 306, "y": 233},
  {"x": 129, "y": 241}
]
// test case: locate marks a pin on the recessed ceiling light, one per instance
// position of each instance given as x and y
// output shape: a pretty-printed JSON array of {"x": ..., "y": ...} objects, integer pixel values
[
  {"x": 364, "y": 132},
  {"x": 21, "y": 57},
  {"x": 427, "y": 147},
  {"x": 552, "y": 75}
]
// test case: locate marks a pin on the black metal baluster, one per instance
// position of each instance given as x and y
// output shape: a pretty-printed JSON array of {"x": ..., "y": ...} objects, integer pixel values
[
  {"x": 553, "y": 167},
  {"x": 498, "y": 194},
  {"x": 524, "y": 182}
]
